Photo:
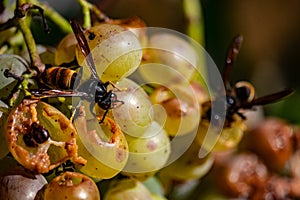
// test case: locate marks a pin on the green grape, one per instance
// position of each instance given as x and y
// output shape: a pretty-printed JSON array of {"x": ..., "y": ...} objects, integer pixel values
[
  {"x": 19, "y": 183},
  {"x": 188, "y": 167},
  {"x": 116, "y": 51},
  {"x": 73, "y": 186},
  {"x": 103, "y": 146},
  {"x": 135, "y": 115},
  {"x": 154, "y": 186},
  {"x": 36, "y": 155},
  {"x": 65, "y": 51},
  {"x": 125, "y": 189},
  {"x": 172, "y": 59},
  {"x": 16, "y": 65},
  {"x": 148, "y": 153}
]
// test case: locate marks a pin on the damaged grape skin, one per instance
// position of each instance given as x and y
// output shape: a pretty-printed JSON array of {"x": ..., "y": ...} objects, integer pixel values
[
  {"x": 104, "y": 146},
  {"x": 60, "y": 146}
]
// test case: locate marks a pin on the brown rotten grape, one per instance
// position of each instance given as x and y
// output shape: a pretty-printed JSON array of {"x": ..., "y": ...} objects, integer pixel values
[
  {"x": 40, "y": 137},
  {"x": 272, "y": 140}
]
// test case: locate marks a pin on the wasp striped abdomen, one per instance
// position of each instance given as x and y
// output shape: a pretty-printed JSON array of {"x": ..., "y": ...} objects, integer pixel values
[{"x": 59, "y": 78}]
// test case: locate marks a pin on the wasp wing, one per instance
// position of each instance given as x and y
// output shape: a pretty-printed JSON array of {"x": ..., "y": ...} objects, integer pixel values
[
  {"x": 272, "y": 98},
  {"x": 84, "y": 47},
  {"x": 41, "y": 93}
]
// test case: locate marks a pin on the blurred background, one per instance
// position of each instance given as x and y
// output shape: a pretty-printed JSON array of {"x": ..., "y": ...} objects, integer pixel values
[{"x": 270, "y": 54}]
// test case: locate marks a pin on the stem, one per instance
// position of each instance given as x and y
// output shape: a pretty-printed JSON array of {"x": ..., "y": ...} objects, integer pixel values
[
  {"x": 31, "y": 45},
  {"x": 86, "y": 13},
  {"x": 193, "y": 13},
  {"x": 54, "y": 16}
]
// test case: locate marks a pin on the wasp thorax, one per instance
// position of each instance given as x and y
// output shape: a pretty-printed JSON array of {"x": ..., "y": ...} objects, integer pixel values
[{"x": 244, "y": 91}]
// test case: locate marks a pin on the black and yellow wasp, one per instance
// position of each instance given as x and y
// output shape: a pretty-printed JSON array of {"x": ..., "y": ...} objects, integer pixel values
[
  {"x": 240, "y": 96},
  {"x": 62, "y": 80}
]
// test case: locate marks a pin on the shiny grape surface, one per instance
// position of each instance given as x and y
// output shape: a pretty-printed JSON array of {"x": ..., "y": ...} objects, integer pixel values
[
  {"x": 19, "y": 183},
  {"x": 148, "y": 152},
  {"x": 72, "y": 186},
  {"x": 135, "y": 115},
  {"x": 116, "y": 51},
  {"x": 127, "y": 189}
]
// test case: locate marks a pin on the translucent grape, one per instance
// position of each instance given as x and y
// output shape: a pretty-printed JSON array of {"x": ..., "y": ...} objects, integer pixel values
[
  {"x": 18, "y": 183},
  {"x": 125, "y": 189},
  {"x": 135, "y": 115},
  {"x": 103, "y": 146},
  {"x": 73, "y": 186},
  {"x": 16, "y": 65},
  {"x": 181, "y": 105},
  {"x": 116, "y": 51},
  {"x": 148, "y": 153},
  {"x": 65, "y": 51},
  {"x": 172, "y": 59},
  {"x": 213, "y": 140}
]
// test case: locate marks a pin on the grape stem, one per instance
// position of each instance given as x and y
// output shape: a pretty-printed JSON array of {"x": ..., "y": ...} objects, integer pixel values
[
  {"x": 193, "y": 14},
  {"x": 86, "y": 8}
]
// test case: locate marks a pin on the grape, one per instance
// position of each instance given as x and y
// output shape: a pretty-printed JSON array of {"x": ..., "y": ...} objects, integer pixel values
[
  {"x": 116, "y": 51},
  {"x": 65, "y": 51},
  {"x": 181, "y": 105},
  {"x": 16, "y": 65},
  {"x": 73, "y": 186},
  {"x": 125, "y": 189},
  {"x": 272, "y": 140},
  {"x": 229, "y": 138},
  {"x": 33, "y": 155},
  {"x": 103, "y": 146},
  {"x": 148, "y": 153},
  {"x": 172, "y": 59},
  {"x": 135, "y": 115},
  {"x": 18, "y": 183},
  {"x": 188, "y": 167}
]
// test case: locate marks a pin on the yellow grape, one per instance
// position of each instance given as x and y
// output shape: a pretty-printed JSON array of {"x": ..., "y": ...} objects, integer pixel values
[
  {"x": 229, "y": 138},
  {"x": 126, "y": 189},
  {"x": 65, "y": 51},
  {"x": 188, "y": 167},
  {"x": 116, "y": 51},
  {"x": 148, "y": 152},
  {"x": 135, "y": 115}
]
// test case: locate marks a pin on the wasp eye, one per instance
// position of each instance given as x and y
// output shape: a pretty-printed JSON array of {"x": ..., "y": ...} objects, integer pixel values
[{"x": 244, "y": 91}]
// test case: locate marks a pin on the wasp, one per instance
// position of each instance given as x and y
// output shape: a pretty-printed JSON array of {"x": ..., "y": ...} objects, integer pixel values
[
  {"x": 62, "y": 79},
  {"x": 93, "y": 89},
  {"x": 240, "y": 96}
]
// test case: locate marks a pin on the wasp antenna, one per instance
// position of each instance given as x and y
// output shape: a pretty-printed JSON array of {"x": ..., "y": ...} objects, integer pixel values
[{"x": 231, "y": 56}]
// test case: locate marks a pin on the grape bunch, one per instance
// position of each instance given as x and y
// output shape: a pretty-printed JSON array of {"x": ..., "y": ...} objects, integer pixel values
[{"x": 117, "y": 110}]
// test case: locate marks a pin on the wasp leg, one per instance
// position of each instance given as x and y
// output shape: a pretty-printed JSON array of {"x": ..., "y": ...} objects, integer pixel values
[
  {"x": 103, "y": 117},
  {"x": 114, "y": 86}
]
